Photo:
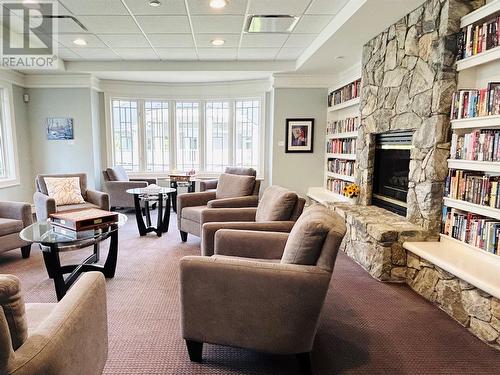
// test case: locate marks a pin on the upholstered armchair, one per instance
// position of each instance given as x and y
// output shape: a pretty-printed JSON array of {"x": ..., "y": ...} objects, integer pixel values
[
  {"x": 14, "y": 217},
  {"x": 232, "y": 191},
  {"x": 45, "y": 205},
  {"x": 208, "y": 185},
  {"x": 261, "y": 290},
  {"x": 69, "y": 337},
  {"x": 116, "y": 184},
  {"x": 278, "y": 210}
]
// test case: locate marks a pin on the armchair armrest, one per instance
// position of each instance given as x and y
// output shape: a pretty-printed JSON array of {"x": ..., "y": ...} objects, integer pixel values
[
  {"x": 250, "y": 243},
  {"x": 248, "y": 201},
  {"x": 269, "y": 307},
  {"x": 98, "y": 198},
  {"x": 76, "y": 328},
  {"x": 208, "y": 184},
  {"x": 194, "y": 199},
  {"x": 228, "y": 214},
  {"x": 149, "y": 181},
  {"x": 16, "y": 210},
  {"x": 44, "y": 206}
]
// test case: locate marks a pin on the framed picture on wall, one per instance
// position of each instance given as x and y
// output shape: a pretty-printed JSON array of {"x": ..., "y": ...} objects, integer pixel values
[
  {"x": 59, "y": 128},
  {"x": 299, "y": 135}
]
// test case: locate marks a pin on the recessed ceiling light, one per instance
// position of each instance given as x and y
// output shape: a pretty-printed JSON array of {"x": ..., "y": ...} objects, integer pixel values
[
  {"x": 80, "y": 42},
  {"x": 217, "y": 4},
  {"x": 218, "y": 42},
  {"x": 154, "y": 3}
]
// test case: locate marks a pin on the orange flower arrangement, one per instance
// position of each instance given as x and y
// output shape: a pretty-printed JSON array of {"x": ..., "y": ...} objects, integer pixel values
[{"x": 351, "y": 191}]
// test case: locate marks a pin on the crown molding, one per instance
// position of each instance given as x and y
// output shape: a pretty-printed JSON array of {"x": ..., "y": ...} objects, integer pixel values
[
  {"x": 347, "y": 76},
  {"x": 12, "y": 76},
  {"x": 302, "y": 80}
]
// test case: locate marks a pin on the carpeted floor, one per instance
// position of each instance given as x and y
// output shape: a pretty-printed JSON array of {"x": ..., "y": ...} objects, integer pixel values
[{"x": 367, "y": 327}]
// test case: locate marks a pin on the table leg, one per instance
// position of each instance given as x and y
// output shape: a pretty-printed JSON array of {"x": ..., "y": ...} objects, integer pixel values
[
  {"x": 96, "y": 251},
  {"x": 138, "y": 215},
  {"x": 173, "y": 185},
  {"x": 148, "y": 213},
  {"x": 110, "y": 265},
  {"x": 166, "y": 216},
  {"x": 53, "y": 265},
  {"x": 159, "y": 220}
]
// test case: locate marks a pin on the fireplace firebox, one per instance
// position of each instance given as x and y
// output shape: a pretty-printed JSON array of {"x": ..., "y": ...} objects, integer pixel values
[{"x": 392, "y": 167}]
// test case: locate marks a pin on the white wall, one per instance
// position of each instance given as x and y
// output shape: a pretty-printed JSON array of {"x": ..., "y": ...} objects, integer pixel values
[{"x": 302, "y": 170}]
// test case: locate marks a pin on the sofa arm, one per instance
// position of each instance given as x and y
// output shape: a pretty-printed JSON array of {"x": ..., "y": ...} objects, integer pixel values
[
  {"x": 208, "y": 184},
  {"x": 16, "y": 210},
  {"x": 250, "y": 243},
  {"x": 76, "y": 329},
  {"x": 44, "y": 206},
  {"x": 249, "y": 201},
  {"x": 263, "y": 306},
  {"x": 99, "y": 199},
  {"x": 148, "y": 181},
  {"x": 209, "y": 230}
]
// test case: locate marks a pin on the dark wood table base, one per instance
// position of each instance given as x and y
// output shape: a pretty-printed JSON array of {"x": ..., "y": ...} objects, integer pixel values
[
  {"x": 162, "y": 221},
  {"x": 56, "y": 271}
]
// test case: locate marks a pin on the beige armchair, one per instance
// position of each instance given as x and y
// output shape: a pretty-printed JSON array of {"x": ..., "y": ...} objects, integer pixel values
[
  {"x": 209, "y": 185},
  {"x": 45, "y": 205},
  {"x": 232, "y": 191},
  {"x": 116, "y": 184},
  {"x": 69, "y": 337},
  {"x": 278, "y": 210},
  {"x": 14, "y": 217},
  {"x": 271, "y": 303}
]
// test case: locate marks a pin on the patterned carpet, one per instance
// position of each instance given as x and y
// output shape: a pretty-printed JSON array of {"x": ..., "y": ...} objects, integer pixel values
[{"x": 367, "y": 327}]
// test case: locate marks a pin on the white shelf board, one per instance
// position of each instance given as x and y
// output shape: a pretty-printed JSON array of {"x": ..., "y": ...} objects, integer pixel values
[
  {"x": 341, "y": 156},
  {"x": 479, "y": 59},
  {"x": 322, "y": 195},
  {"x": 353, "y": 134},
  {"x": 474, "y": 165},
  {"x": 474, "y": 208},
  {"x": 347, "y": 104},
  {"x": 340, "y": 176},
  {"x": 473, "y": 266},
  {"x": 480, "y": 13},
  {"x": 476, "y": 122}
]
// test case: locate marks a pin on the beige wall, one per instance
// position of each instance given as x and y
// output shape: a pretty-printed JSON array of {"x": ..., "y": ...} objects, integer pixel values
[{"x": 298, "y": 171}]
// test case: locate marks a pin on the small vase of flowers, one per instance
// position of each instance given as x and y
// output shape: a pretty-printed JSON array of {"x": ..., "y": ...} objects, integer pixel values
[{"x": 351, "y": 192}]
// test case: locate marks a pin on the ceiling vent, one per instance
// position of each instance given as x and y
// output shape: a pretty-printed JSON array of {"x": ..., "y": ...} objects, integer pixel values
[{"x": 271, "y": 24}]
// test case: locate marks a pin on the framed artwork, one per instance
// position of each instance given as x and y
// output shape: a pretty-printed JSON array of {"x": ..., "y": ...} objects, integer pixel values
[
  {"x": 59, "y": 128},
  {"x": 299, "y": 135}
]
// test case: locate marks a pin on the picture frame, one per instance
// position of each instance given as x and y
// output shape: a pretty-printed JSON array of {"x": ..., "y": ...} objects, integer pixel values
[
  {"x": 59, "y": 128},
  {"x": 299, "y": 135}
]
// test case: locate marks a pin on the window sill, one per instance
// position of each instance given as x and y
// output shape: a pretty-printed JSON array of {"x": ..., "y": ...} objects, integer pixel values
[{"x": 9, "y": 182}]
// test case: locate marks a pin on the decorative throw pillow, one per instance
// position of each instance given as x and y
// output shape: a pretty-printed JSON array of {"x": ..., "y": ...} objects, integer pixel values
[
  {"x": 65, "y": 190},
  {"x": 232, "y": 186},
  {"x": 277, "y": 204}
]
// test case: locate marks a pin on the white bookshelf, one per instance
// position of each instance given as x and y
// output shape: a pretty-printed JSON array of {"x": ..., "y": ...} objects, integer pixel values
[
  {"x": 482, "y": 58},
  {"x": 341, "y": 156},
  {"x": 343, "y": 135},
  {"x": 478, "y": 209},
  {"x": 339, "y": 176},
  {"x": 474, "y": 165},
  {"x": 350, "y": 103},
  {"x": 479, "y": 14},
  {"x": 476, "y": 122}
]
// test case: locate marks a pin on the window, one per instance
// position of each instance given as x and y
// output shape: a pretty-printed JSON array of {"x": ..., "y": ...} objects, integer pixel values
[
  {"x": 8, "y": 163},
  {"x": 3, "y": 150},
  {"x": 126, "y": 134},
  {"x": 204, "y": 135}
]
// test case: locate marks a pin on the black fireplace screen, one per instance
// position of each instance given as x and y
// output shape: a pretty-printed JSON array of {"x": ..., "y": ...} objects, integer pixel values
[{"x": 392, "y": 167}]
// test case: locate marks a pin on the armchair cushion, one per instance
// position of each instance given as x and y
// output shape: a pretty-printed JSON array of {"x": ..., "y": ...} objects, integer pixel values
[
  {"x": 117, "y": 173},
  {"x": 277, "y": 204},
  {"x": 9, "y": 226},
  {"x": 12, "y": 302},
  {"x": 232, "y": 186},
  {"x": 64, "y": 190},
  {"x": 193, "y": 213},
  {"x": 308, "y": 235}
]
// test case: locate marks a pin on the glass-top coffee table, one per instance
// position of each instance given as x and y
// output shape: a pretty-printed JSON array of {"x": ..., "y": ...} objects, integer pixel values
[
  {"x": 54, "y": 240},
  {"x": 163, "y": 197}
]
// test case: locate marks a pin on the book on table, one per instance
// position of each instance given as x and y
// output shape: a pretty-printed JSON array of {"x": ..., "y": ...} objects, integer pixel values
[{"x": 84, "y": 219}]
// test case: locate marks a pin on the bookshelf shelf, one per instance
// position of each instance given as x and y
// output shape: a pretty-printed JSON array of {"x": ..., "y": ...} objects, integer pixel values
[
  {"x": 468, "y": 263},
  {"x": 480, "y": 13},
  {"x": 476, "y": 122},
  {"x": 473, "y": 165},
  {"x": 474, "y": 208},
  {"x": 340, "y": 176},
  {"x": 479, "y": 59},
  {"x": 341, "y": 156},
  {"x": 343, "y": 135},
  {"x": 347, "y": 104}
]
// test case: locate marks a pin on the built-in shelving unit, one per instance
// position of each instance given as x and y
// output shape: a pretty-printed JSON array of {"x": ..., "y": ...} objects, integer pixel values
[
  {"x": 476, "y": 122},
  {"x": 350, "y": 103},
  {"x": 474, "y": 165}
]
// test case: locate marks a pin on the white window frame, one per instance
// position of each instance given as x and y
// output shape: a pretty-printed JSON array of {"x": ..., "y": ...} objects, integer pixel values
[
  {"x": 9, "y": 135},
  {"x": 173, "y": 130}
]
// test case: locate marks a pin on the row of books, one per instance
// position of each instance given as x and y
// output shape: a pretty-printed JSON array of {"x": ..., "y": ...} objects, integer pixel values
[
  {"x": 470, "y": 103},
  {"x": 348, "y": 92},
  {"x": 336, "y": 186},
  {"x": 344, "y": 167},
  {"x": 349, "y": 124},
  {"x": 472, "y": 229},
  {"x": 473, "y": 187},
  {"x": 480, "y": 145},
  {"x": 476, "y": 38},
  {"x": 341, "y": 146}
]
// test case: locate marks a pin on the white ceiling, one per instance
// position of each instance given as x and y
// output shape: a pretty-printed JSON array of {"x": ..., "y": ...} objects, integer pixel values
[{"x": 184, "y": 29}]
